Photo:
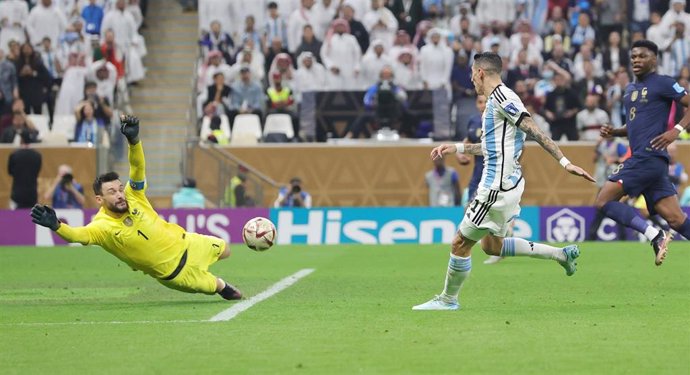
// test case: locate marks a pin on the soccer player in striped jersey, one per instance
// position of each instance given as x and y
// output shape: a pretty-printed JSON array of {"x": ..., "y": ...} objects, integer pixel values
[{"x": 505, "y": 125}]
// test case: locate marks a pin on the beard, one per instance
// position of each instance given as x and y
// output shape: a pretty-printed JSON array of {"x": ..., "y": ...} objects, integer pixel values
[{"x": 118, "y": 210}]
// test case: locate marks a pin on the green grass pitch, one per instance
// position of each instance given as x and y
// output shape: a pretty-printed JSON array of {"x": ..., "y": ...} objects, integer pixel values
[{"x": 619, "y": 314}]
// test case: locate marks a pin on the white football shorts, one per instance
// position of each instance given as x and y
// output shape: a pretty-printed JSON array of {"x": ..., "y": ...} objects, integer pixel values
[{"x": 492, "y": 211}]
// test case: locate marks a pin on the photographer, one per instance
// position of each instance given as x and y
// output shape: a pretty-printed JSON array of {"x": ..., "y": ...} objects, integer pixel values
[
  {"x": 65, "y": 192},
  {"x": 293, "y": 195},
  {"x": 101, "y": 104},
  {"x": 385, "y": 102}
]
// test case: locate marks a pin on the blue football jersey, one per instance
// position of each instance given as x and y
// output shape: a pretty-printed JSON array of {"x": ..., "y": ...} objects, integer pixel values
[
  {"x": 648, "y": 105},
  {"x": 474, "y": 135}
]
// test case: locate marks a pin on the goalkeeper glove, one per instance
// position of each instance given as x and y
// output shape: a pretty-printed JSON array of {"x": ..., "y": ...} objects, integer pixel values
[
  {"x": 45, "y": 216},
  {"x": 130, "y": 128}
]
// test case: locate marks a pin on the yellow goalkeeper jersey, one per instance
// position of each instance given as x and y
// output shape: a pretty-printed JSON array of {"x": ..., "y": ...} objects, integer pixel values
[{"x": 139, "y": 238}]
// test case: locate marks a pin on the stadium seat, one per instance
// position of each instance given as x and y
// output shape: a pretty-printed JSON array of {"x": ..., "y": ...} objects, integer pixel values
[
  {"x": 243, "y": 139},
  {"x": 249, "y": 123},
  {"x": 206, "y": 127},
  {"x": 279, "y": 123},
  {"x": 276, "y": 138},
  {"x": 64, "y": 124},
  {"x": 55, "y": 139},
  {"x": 41, "y": 124}
]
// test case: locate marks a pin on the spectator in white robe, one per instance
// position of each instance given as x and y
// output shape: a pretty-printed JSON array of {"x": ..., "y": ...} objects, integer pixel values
[
  {"x": 495, "y": 36},
  {"x": 675, "y": 13},
  {"x": 221, "y": 11},
  {"x": 134, "y": 9},
  {"x": 326, "y": 11},
  {"x": 524, "y": 30},
  {"x": 587, "y": 53},
  {"x": 305, "y": 15},
  {"x": 310, "y": 75},
  {"x": 128, "y": 40},
  {"x": 531, "y": 48},
  {"x": 282, "y": 64},
  {"x": 501, "y": 11},
  {"x": 104, "y": 74},
  {"x": 45, "y": 21},
  {"x": 405, "y": 70},
  {"x": 72, "y": 88},
  {"x": 435, "y": 62},
  {"x": 253, "y": 58},
  {"x": 465, "y": 13},
  {"x": 214, "y": 64},
  {"x": 13, "y": 17},
  {"x": 403, "y": 42},
  {"x": 360, "y": 7},
  {"x": 285, "y": 7},
  {"x": 341, "y": 55},
  {"x": 373, "y": 61},
  {"x": 68, "y": 8},
  {"x": 380, "y": 23},
  {"x": 662, "y": 37}
]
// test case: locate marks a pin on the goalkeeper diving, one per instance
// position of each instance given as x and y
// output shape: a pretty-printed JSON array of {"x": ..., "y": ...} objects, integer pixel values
[{"x": 128, "y": 227}]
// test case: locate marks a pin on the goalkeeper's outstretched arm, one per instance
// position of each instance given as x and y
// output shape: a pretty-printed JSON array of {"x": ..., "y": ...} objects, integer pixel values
[
  {"x": 137, "y": 163},
  {"x": 46, "y": 216}
]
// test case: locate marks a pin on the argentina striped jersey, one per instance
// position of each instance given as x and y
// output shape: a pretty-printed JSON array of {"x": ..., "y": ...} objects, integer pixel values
[{"x": 502, "y": 139}]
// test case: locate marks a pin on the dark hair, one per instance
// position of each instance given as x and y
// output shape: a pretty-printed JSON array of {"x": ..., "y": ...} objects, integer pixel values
[
  {"x": 106, "y": 177},
  {"x": 489, "y": 62},
  {"x": 648, "y": 44},
  {"x": 215, "y": 122},
  {"x": 189, "y": 182},
  {"x": 272, "y": 5}
]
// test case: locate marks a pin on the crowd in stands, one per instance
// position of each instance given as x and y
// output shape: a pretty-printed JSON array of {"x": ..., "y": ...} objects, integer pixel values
[
  {"x": 567, "y": 59},
  {"x": 65, "y": 64}
]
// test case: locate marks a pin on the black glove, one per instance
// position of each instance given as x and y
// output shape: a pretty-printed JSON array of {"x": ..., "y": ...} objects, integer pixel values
[
  {"x": 130, "y": 128},
  {"x": 45, "y": 216}
]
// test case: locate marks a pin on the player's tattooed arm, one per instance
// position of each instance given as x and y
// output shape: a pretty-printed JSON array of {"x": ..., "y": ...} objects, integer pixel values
[
  {"x": 449, "y": 148},
  {"x": 473, "y": 148},
  {"x": 530, "y": 127}
]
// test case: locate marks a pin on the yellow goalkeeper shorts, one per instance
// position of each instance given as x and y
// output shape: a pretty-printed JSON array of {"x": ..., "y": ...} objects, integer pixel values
[{"x": 194, "y": 277}]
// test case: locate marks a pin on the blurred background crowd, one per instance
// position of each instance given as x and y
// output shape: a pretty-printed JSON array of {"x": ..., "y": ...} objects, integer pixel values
[
  {"x": 65, "y": 65},
  {"x": 567, "y": 59}
]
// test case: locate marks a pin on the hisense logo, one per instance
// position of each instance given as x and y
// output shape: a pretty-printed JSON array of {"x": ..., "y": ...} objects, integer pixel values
[{"x": 328, "y": 227}]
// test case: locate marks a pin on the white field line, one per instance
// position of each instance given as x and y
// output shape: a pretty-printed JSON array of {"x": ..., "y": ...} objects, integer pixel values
[
  {"x": 274, "y": 289},
  {"x": 223, "y": 316},
  {"x": 115, "y": 322}
]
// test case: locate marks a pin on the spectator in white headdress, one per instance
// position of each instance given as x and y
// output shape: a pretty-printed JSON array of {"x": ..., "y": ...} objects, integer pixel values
[
  {"x": 373, "y": 61},
  {"x": 405, "y": 70},
  {"x": 435, "y": 62},
  {"x": 341, "y": 55},
  {"x": 380, "y": 23},
  {"x": 310, "y": 75}
]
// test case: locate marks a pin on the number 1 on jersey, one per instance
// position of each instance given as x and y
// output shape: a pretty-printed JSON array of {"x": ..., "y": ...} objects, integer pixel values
[{"x": 142, "y": 234}]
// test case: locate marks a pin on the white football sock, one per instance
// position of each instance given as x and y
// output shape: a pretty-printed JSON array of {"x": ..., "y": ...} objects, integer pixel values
[
  {"x": 651, "y": 233},
  {"x": 514, "y": 247},
  {"x": 458, "y": 270}
]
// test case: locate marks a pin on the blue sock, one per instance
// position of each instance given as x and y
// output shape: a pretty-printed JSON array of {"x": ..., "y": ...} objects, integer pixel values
[
  {"x": 626, "y": 215},
  {"x": 684, "y": 229}
]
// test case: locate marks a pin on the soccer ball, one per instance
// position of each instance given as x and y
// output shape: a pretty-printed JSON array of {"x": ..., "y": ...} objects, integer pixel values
[{"x": 259, "y": 234}]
